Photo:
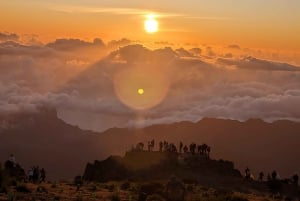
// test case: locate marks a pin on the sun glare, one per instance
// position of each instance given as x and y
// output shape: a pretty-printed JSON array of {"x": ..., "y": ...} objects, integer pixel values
[
  {"x": 151, "y": 24},
  {"x": 141, "y": 91}
]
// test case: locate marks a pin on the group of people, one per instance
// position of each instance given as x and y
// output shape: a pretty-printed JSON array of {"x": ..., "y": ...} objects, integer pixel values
[
  {"x": 36, "y": 175},
  {"x": 164, "y": 146},
  {"x": 273, "y": 176}
]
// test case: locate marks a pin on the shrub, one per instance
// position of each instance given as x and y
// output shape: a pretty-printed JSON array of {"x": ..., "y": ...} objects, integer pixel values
[
  {"x": 111, "y": 187},
  {"x": 190, "y": 188},
  {"x": 56, "y": 198},
  {"x": 125, "y": 186},
  {"x": 149, "y": 189},
  {"x": 78, "y": 181},
  {"x": 237, "y": 198},
  {"x": 22, "y": 188},
  {"x": 41, "y": 189},
  {"x": 79, "y": 196},
  {"x": 155, "y": 197},
  {"x": 53, "y": 185},
  {"x": 115, "y": 197},
  {"x": 1, "y": 176},
  {"x": 2, "y": 186},
  {"x": 13, "y": 182},
  {"x": 222, "y": 197},
  {"x": 92, "y": 188},
  {"x": 190, "y": 181},
  {"x": 11, "y": 196}
]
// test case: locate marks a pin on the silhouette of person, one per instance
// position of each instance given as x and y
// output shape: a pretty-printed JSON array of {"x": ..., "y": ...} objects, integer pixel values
[
  {"x": 247, "y": 173},
  {"x": 152, "y": 144},
  {"x": 185, "y": 149},
  {"x": 269, "y": 177},
  {"x": 180, "y": 147},
  {"x": 12, "y": 160},
  {"x": 274, "y": 175},
  {"x": 141, "y": 146},
  {"x": 161, "y": 146},
  {"x": 199, "y": 147},
  {"x": 295, "y": 179},
  {"x": 36, "y": 174},
  {"x": 261, "y": 176},
  {"x": 208, "y": 151},
  {"x": 43, "y": 175},
  {"x": 30, "y": 174},
  {"x": 149, "y": 145}
]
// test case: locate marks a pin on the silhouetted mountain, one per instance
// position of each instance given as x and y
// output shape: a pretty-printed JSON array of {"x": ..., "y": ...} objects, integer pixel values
[{"x": 43, "y": 139}]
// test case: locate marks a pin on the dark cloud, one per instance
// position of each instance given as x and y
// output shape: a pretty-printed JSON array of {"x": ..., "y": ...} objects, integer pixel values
[
  {"x": 183, "y": 52},
  {"x": 210, "y": 52},
  {"x": 8, "y": 37},
  {"x": 138, "y": 53},
  {"x": 74, "y": 44},
  {"x": 195, "y": 51},
  {"x": 234, "y": 47},
  {"x": 11, "y": 48},
  {"x": 251, "y": 63},
  {"x": 228, "y": 55},
  {"x": 119, "y": 43}
]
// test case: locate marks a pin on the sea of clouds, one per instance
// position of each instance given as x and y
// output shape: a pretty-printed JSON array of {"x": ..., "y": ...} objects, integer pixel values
[{"x": 76, "y": 78}]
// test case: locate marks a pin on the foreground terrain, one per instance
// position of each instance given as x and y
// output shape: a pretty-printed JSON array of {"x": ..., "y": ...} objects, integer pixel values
[{"x": 125, "y": 191}]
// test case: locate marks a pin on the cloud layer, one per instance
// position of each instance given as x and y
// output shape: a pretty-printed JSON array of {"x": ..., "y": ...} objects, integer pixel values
[{"x": 79, "y": 79}]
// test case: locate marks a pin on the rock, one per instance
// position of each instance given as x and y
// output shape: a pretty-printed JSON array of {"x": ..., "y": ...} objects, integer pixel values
[
  {"x": 175, "y": 190},
  {"x": 149, "y": 166},
  {"x": 14, "y": 170}
]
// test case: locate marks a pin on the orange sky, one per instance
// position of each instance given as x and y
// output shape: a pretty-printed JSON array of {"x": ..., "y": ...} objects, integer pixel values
[{"x": 249, "y": 23}]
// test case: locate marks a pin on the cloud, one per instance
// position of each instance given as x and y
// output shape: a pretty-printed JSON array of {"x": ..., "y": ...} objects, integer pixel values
[
  {"x": 131, "y": 11},
  {"x": 83, "y": 88},
  {"x": 82, "y": 9},
  {"x": 252, "y": 63},
  {"x": 119, "y": 43},
  {"x": 234, "y": 47},
  {"x": 183, "y": 52},
  {"x": 196, "y": 51},
  {"x": 114, "y": 11},
  {"x": 74, "y": 44},
  {"x": 139, "y": 53},
  {"x": 8, "y": 37}
]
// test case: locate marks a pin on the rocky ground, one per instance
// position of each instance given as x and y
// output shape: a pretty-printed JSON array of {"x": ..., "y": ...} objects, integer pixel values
[{"x": 124, "y": 191}]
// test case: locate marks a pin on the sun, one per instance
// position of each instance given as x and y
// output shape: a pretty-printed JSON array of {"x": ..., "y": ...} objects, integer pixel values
[
  {"x": 140, "y": 91},
  {"x": 151, "y": 24}
]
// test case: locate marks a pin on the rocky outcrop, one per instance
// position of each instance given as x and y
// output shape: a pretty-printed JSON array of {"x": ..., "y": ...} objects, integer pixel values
[{"x": 142, "y": 165}]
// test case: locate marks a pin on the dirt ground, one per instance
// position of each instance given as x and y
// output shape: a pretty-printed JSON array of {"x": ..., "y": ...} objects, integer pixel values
[{"x": 114, "y": 191}]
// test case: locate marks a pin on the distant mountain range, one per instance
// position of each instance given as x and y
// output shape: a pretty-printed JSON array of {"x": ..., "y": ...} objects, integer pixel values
[{"x": 45, "y": 140}]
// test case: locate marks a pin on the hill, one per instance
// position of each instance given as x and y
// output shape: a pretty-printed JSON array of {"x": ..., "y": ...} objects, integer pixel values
[
  {"x": 43, "y": 139},
  {"x": 148, "y": 166}
]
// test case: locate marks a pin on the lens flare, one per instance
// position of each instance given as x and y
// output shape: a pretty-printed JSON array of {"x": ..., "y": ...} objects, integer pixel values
[
  {"x": 141, "y": 91},
  {"x": 128, "y": 82}
]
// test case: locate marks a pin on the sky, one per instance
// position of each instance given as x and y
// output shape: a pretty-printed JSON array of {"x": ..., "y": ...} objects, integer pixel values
[
  {"x": 249, "y": 23},
  {"x": 91, "y": 59}
]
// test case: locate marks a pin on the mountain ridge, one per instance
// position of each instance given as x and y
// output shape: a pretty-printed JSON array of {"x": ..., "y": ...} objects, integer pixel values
[{"x": 44, "y": 139}]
